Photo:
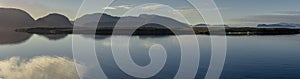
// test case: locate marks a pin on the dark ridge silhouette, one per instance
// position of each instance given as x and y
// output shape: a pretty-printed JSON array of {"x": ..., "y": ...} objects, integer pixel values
[
  {"x": 279, "y": 25},
  {"x": 10, "y": 17},
  {"x": 154, "y": 25},
  {"x": 163, "y": 20},
  {"x": 53, "y": 20},
  {"x": 127, "y": 21},
  {"x": 207, "y": 25},
  {"x": 201, "y": 25},
  {"x": 94, "y": 19},
  {"x": 16, "y": 18}
]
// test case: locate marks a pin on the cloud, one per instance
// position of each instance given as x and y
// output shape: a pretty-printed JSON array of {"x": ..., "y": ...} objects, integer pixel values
[
  {"x": 276, "y": 17},
  {"x": 35, "y": 9},
  {"x": 109, "y": 8},
  {"x": 193, "y": 15},
  {"x": 288, "y": 12},
  {"x": 43, "y": 67},
  {"x": 188, "y": 12},
  {"x": 38, "y": 9},
  {"x": 118, "y": 7},
  {"x": 152, "y": 7},
  {"x": 125, "y": 6}
]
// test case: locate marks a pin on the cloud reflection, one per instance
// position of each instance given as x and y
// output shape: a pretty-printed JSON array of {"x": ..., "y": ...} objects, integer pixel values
[{"x": 43, "y": 67}]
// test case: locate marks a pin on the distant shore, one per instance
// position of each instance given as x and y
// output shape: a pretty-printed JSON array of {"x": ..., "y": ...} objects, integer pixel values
[{"x": 164, "y": 31}]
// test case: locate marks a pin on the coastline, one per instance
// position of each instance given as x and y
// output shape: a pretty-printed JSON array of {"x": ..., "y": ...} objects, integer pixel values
[{"x": 163, "y": 31}]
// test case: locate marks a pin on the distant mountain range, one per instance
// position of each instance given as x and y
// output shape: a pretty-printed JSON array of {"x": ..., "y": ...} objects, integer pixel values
[
  {"x": 279, "y": 25},
  {"x": 54, "y": 20},
  {"x": 10, "y": 17},
  {"x": 207, "y": 25},
  {"x": 128, "y": 21}
]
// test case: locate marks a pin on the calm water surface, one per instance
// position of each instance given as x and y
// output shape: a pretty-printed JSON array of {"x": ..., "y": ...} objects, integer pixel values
[{"x": 248, "y": 57}]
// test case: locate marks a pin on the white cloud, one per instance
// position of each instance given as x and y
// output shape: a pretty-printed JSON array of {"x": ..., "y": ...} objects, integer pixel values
[
  {"x": 152, "y": 7},
  {"x": 187, "y": 11},
  {"x": 43, "y": 67},
  {"x": 118, "y": 7},
  {"x": 125, "y": 6},
  {"x": 109, "y": 8},
  {"x": 276, "y": 17}
]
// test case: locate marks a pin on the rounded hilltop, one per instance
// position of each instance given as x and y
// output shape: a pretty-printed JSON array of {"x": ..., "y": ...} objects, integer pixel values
[
  {"x": 10, "y": 17},
  {"x": 54, "y": 20}
]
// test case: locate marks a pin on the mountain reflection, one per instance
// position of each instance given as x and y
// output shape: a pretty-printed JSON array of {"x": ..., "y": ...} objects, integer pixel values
[
  {"x": 103, "y": 37},
  {"x": 96, "y": 37},
  {"x": 151, "y": 37},
  {"x": 55, "y": 37},
  {"x": 9, "y": 36}
]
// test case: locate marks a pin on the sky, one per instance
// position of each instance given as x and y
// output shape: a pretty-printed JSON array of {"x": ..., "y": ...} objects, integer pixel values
[{"x": 235, "y": 12}]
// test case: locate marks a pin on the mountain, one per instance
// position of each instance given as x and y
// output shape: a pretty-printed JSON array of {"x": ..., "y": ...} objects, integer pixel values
[
  {"x": 281, "y": 25},
  {"x": 53, "y": 20},
  {"x": 10, "y": 17},
  {"x": 207, "y": 25},
  {"x": 127, "y": 21},
  {"x": 94, "y": 19},
  {"x": 165, "y": 21},
  {"x": 154, "y": 25}
]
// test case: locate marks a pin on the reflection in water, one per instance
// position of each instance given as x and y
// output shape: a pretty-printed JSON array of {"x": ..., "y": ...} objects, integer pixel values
[
  {"x": 151, "y": 37},
  {"x": 265, "y": 57},
  {"x": 103, "y": 37},
  {"x": 55, "y": 36},
  {"x": 96, "y": 37},
  {"x": 9, "y": 36},
  {"x": 43, "y": 67},
  {"x": 139, "y": 52}
]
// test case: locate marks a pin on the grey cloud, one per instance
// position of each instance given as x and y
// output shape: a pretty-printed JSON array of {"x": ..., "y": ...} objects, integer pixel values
[
  {"x": 269, "y": 19},
  {"x": 289, "y": 12}
]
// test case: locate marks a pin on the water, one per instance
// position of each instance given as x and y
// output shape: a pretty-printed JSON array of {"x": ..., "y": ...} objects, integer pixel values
[{"x": 50, "y": 57}]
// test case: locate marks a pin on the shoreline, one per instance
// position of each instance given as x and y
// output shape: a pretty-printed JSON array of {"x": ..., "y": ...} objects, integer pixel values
[{"x": 164, "y": 31}]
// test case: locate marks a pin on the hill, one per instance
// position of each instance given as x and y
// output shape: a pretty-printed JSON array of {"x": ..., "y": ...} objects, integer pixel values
[
  {"x": 10, "y": 17},
  {"x": 54, "y": 20}
]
